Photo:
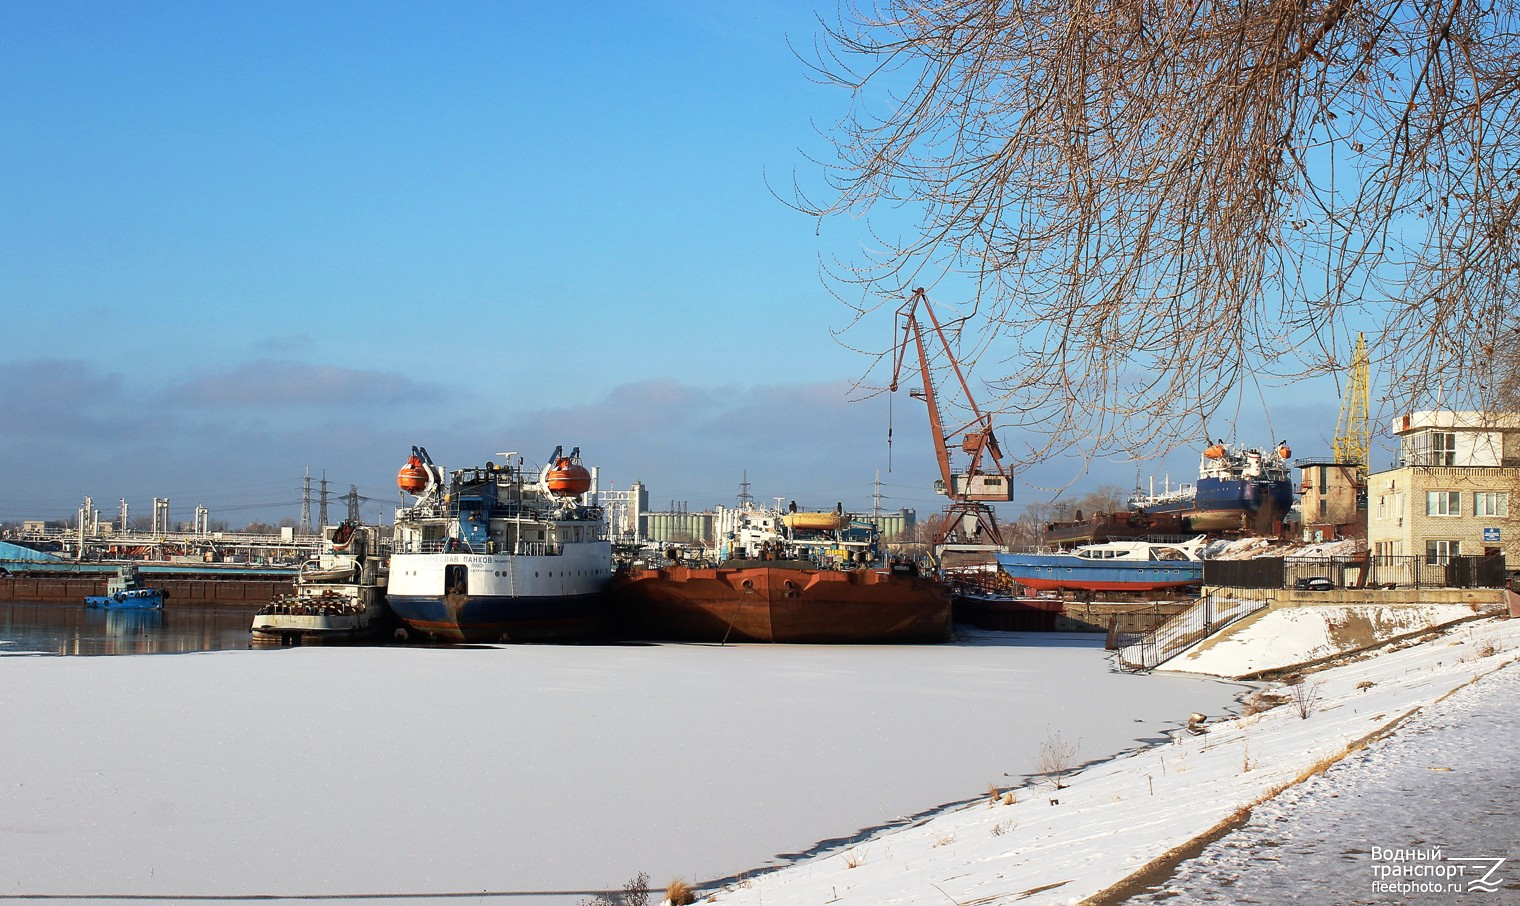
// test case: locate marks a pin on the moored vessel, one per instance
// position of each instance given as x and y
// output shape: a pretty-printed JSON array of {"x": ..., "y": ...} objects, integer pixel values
[
  {"x": 338, "y": 597},
  {"x": 793, "y": 577},
  {"x": 1127, "y": 566},
  {"x": 125, "y": 592},
  {"x": 498, "y": 553}
]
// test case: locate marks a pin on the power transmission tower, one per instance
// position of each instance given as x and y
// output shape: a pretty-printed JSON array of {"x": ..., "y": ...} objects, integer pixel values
[
  {"x": 306, "y": 503},
  {"x": 353, "y": 503},
  {"x": 322, "y": 501}
]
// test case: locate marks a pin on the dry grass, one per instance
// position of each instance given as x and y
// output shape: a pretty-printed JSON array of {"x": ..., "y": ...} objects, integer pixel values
[
  {"x": 680, "y": 893},
  {"x": 944, "y": 841},
  {"x": 1003, "y": 827},
  {"x": 635, "y": 893},
  {"x": 855, "y": 858},
  {"x": 1260, "y": 701}
]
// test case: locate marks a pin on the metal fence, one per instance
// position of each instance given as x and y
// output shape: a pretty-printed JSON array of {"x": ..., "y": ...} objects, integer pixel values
[
  {"x": 1210, "y": 614},
  {"x": 1363, "y": 571}
]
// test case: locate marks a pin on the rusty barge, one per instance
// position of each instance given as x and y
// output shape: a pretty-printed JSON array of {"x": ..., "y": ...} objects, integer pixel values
[{"x": 791, "y": 577}]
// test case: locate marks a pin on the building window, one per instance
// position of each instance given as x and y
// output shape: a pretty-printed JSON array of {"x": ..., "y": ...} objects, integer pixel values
[
  {"x": 1382, "y": 508},
  {"x": 1439, "y": 552},
  {"x": 1443, "y": 503},
  {"x": 1491, "y": 503},
  {"x": 1432, "y": 448}
]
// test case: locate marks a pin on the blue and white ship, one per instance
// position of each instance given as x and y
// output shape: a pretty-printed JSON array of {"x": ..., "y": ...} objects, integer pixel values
[
  {"x": 496, "y": 553},
  {"x": 1237, "y": 490},
  {"x": 125, "y": 592},
  {"x": 1127, "y": 566}
]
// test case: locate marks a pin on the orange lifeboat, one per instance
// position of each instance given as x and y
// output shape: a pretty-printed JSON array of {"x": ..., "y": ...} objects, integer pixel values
[
  {"x": 816, "y": 522},
  {"x": 413, "y": 476},
  {"x": 568, "y": 478}
]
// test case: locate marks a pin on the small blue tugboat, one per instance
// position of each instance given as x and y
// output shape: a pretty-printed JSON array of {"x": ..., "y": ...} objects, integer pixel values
[{"x": 124, "y": 592}]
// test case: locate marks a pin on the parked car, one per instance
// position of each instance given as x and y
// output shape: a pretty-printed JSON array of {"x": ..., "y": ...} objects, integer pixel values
[{"x": 1314, "y": 583}]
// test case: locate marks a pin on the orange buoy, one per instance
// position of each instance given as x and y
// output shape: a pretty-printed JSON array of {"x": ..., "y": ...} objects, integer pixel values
[
  {"x": 413, "y": 477},
  {"x": 568, "y": 478}
]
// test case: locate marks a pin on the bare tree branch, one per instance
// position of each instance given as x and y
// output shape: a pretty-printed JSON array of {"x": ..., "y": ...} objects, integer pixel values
[{"x": 1158, "y": 199}]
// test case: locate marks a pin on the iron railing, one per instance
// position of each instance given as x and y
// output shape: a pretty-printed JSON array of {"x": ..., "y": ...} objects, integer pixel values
[
  {"x": 460, "y": 546},
  {"x": 1207, "y": 616}
]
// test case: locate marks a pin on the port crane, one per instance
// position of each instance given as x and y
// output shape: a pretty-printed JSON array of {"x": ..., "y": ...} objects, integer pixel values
[
  {"x": 1352, "y": 436},
  {"x": 969, "y": 523}
]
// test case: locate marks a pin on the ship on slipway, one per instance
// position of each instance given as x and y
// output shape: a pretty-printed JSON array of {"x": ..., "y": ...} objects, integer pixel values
[
  {"x": 1238, "y": 490},
  {"x": 1117, "y": 566},
  {"x": 500, "y": 553}
]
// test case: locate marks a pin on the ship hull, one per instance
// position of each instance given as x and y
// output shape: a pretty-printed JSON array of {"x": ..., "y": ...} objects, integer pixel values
[
  {"x": 490, "y": 598},
  {"x": 333, "y": 613},
  {"x": 494, "y": 619},
  {"x": 138, "y": 599},
  {"x": 1067, "y": 573},
  {"x": 772, "y": 603},
  {"x": 1230, "y": 504},
  {"x": 1126, "y": 526}
]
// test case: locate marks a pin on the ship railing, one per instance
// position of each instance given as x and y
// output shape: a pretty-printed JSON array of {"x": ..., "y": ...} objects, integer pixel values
[
  {"x": 1208, "y": 615},
  {"x": 459, "y": 546}
]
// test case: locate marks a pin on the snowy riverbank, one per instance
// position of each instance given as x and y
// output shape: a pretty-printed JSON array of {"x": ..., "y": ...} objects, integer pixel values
[{"x": 1115, "y": 819}]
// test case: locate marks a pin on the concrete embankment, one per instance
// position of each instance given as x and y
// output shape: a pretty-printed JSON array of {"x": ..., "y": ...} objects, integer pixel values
[
  {"x": 182, "y": 590},
  {"x": 1056, "y": 615}
]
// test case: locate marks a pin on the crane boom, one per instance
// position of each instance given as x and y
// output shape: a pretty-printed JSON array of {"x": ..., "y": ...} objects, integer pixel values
[{"x": 985, "y": 478}]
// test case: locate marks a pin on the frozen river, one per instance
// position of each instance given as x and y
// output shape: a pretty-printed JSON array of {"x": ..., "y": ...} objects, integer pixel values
[{"x": 530, "y": 768}]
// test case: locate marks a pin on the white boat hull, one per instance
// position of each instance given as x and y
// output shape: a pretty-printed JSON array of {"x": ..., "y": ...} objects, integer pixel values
[{"x": 464, "y": 597}]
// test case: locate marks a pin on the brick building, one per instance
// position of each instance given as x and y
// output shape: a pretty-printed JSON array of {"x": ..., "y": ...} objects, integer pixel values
[{"x": 1449, "y": 492}]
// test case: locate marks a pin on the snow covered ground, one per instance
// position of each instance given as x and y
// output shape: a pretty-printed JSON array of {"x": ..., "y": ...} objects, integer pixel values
[
  {"x": 1111, "y": 820},
  {"x": 1447, "y": 781},
  {"x": 494, "y": 770},
  {"x": 530, "y": 768},
  {"x": 1286, "y": 636}
]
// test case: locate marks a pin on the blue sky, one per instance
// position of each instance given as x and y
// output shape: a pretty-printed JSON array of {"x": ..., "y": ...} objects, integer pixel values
[{"x": 243, "y": 240}]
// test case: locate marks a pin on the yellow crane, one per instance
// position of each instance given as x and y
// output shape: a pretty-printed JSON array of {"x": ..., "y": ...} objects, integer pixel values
[{"x": 1352, "y": 436}]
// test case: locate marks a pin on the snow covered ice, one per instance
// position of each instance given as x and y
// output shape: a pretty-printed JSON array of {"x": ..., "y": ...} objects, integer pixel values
[
  {"x": 384, "y": 770},
  {"x": 858, "y": 774}
]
